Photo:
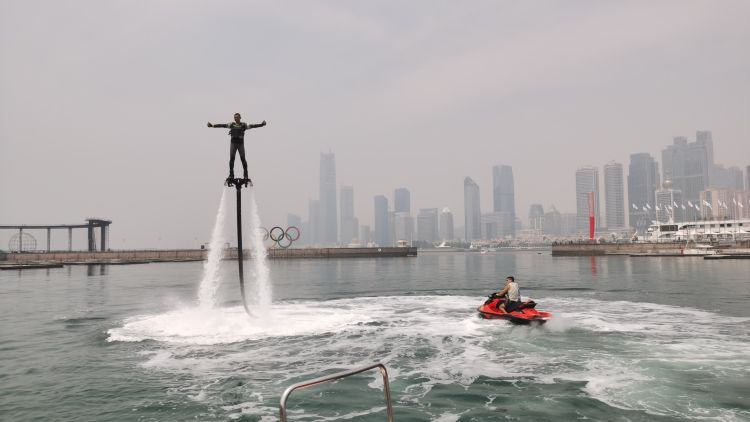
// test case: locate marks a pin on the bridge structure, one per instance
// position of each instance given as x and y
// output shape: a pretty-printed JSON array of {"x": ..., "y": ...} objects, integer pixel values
[{"x": 91, "y": 225}]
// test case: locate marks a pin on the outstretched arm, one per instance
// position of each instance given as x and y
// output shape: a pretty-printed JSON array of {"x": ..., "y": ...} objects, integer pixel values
[
  {"x": 254, "y": 126},
  {"x": 224, "y": 125}
]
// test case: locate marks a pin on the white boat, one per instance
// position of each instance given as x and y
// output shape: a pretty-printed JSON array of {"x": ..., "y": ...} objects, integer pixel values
[
  {"x": 698, "y": 249},
  {"x": 699, "y": 231}
]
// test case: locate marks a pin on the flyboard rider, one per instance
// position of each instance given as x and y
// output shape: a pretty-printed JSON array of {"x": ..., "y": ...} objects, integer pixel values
[{"x": 237, "y": 134}]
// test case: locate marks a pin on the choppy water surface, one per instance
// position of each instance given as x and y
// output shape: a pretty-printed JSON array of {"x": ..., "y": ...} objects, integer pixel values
[{"x": 633, "y": 339}]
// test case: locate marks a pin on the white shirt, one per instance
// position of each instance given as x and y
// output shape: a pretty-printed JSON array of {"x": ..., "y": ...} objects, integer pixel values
[{"x": 513, "y": 292}]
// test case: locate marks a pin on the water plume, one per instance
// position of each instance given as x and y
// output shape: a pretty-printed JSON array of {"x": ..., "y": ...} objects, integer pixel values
[
  {"x": 261, "y": 293},
  {"x": 212, "y": 267}
]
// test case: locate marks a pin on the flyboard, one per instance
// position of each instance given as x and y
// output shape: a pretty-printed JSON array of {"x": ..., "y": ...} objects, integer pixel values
[{"x": 238, "y": 185}]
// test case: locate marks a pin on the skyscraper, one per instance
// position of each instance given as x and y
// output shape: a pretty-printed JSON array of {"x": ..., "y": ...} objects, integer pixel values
[
  {"x": 498, "y": 225},
  {"x": 328, "y": 212},
  {"x": 614, "y": 195},
  {"x": 365, "y": 235},
  {"x": 446, "y": 224},
  {"x": 427, "y": 225},
  {"x": 293, "y": 220},
  {"x": 503, "y": 193},
  {"x": 472, "y": 212},
  {"x": 643, "y": 181},
  {"x": 348, "y": 231},
  {"x": 402, "y": 200},
  {"x": 689, "y": 165},
  {"x": 587, "y": 180},
  {"x": 536, "y": 217},
  {"x": 313, "y": 222},
  {"x": 381, "y": 221},
  {"x": 552, "y": 222},
  {"x": 403, "y": 227},
  {"x": 727, "y": 178}
]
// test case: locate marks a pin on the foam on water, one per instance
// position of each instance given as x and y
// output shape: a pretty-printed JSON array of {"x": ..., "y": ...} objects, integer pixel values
[
  {"x": 628, "y": 355},
  {"x": 230, "y": 325}
]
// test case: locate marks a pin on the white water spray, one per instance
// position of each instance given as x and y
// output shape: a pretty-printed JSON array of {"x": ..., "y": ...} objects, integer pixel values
[
  {"x": 261, "y": 293},
  {"x": 212, "y": 267}
]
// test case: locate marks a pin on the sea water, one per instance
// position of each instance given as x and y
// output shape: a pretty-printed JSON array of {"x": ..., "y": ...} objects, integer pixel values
[{"x": 632, "y": 339}]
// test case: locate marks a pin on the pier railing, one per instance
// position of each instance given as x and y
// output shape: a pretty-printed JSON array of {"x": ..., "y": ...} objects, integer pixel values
[{"x": 334, "y": 377}]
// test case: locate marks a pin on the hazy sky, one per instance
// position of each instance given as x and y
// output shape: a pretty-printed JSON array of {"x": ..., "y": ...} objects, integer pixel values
[{"x": 104, "y": 104}]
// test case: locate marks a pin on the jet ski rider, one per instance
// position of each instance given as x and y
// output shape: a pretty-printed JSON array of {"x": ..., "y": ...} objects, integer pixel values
[{"x": 512, "y": 293}]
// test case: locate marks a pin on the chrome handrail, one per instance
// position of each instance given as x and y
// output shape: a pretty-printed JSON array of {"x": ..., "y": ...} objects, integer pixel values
[{"x": 321, "y": 380}]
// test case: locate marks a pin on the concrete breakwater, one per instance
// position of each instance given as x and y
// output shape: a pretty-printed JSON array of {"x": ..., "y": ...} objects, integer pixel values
[
  {"x": 184, "y": 255},
  {"x": 661, "y": 249}
]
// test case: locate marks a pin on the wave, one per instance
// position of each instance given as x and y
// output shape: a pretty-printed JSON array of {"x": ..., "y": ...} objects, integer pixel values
[{"x": 659, "y": 359}]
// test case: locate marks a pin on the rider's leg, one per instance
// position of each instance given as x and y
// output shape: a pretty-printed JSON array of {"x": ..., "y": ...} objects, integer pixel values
[
  {"x": 232, "y": 153},
  {"x": 241, "y": 149}
]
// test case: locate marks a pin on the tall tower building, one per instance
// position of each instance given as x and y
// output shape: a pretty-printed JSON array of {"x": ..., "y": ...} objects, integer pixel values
[
  {"x": 614, "y": 195},
  {"x": 503, "y": 193},
  {"x": 552, "y": 222},
  {"x": 313, "y": 222},
  {"x": 293, "y": 220},
  {"x": 587, "y": 180},
  {"x": 689, "y": 165},
  {"x": 403, "y": 227},
  {"x": 427, "y": 225},
  {"x": 365, "y": 235},
  {"x": 348, "y": 230},
  {"x": 727, "y": 178},
  {"x": 382, "y": 227},
  {"x": 498, "y": 225},
  {"x": 402, "y": 200},
  {"x": 402, "y": 219},
  {"x": 328, "y": 212},
  {"x": 472, "y": 212},
  {"x": 446, "y": 224},
  {"x": 643, "y": 181}
]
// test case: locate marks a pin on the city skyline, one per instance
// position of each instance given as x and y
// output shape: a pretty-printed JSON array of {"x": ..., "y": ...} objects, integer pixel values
[
  {"x": 402, "y": 196},
  {"x": 642, "y": 186}
]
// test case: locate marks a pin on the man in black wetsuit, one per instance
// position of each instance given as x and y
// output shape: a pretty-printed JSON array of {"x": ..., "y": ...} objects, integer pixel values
[{"x": 237, "y": 133}]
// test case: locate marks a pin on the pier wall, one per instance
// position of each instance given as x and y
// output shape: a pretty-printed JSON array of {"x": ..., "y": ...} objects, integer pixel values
[
  {"x": 180, "y": 255},
  {"x": 595, "y": 249}
]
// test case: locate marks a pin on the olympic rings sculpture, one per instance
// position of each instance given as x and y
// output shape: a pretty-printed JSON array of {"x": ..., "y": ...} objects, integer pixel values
[{"x": 281, "y": 238}]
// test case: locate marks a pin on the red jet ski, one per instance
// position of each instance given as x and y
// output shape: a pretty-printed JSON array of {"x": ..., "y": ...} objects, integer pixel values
[{"x": 525, "y": 314}]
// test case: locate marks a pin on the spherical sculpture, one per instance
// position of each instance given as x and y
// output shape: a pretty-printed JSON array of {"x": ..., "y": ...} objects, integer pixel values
[
  {"x": 667, "y": 184},
  {"x": 18, "y": 243}
]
